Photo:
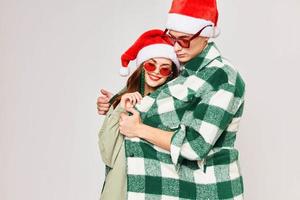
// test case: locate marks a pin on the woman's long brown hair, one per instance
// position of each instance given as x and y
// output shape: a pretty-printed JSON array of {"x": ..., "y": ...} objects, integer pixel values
[{"x": 133, "y": 83}]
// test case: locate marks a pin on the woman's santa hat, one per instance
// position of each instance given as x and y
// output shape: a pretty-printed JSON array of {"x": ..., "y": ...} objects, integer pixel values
[
  {"x": 149, "y": 45},
  {"x": 190, "y": 16}
]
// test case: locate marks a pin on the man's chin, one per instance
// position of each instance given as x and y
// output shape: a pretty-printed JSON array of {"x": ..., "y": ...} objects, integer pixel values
[{"x": 183, "y": 59}]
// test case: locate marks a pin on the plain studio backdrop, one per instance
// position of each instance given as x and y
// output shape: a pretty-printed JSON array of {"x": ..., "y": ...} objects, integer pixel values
[{"x": 55, "y": 55}]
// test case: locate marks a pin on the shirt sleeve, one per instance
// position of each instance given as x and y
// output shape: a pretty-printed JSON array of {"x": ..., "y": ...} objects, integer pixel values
[
  {"x": 201, "y": 127},
  {"x": 109, "y": 138}
]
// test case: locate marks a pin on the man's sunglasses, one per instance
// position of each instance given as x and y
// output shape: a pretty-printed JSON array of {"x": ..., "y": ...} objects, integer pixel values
[
  {"x": 151, "y": 67},
  {"x": 182, "y": 40}
]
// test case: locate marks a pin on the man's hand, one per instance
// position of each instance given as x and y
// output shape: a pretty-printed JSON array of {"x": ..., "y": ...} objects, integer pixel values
[{"x": 103, "y": 102}]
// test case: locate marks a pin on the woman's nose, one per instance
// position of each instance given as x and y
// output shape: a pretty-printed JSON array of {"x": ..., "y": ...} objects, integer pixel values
[{"x": 156, "y": 71}]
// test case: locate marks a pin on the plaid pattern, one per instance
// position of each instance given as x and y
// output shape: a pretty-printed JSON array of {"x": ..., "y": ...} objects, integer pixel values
[{"x": 203, "y": 107}]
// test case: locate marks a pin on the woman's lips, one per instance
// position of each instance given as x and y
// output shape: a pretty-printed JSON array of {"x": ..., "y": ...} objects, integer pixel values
[{"x": 153, "y": 77}]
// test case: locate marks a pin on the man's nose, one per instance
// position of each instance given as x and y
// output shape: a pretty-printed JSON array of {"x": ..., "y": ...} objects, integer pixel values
[{"x": 177, "y": 47}]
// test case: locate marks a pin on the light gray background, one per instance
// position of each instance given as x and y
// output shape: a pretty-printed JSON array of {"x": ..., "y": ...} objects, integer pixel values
[{"x": 55, "y": 55}]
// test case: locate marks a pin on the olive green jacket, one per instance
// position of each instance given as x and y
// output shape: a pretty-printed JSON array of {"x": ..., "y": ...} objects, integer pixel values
[{"x": 111, "y": 145}]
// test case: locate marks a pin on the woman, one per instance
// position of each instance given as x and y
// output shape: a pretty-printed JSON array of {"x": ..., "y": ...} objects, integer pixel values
[{"x": 157, "y": 63}]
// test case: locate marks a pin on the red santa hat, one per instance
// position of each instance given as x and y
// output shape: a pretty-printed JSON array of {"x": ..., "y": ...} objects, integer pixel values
[
  {"x": 190, "y": 16},
  {"x": 149, "y": 45}
]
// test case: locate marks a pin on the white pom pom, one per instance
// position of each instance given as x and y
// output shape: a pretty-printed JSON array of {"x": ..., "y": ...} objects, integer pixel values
[
  {"x": 217, "y": 32},
  {"x": 211, "y": 32},
  {"x": 124, "y": 71}
]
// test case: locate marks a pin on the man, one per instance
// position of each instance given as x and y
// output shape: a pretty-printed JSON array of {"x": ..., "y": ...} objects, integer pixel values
[{"x": 202, "y": 108}]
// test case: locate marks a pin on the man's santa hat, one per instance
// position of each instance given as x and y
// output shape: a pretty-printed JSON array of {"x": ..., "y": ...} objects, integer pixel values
[
  {"x": 149, "y": 45},
  {"x": 190, "y": 16}
]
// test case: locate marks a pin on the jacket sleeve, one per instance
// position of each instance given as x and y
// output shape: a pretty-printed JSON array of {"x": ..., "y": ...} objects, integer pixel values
[
  {"x": 109, "y": 138},
  {"x": 201, "y": 127}
]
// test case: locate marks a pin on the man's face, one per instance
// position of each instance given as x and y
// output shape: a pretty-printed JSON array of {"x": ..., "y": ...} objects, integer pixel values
[{"x": 196, "y": 46}]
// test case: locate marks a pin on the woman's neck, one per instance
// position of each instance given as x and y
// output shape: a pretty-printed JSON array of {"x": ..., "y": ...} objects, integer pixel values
[{"x": 148, "y": 89}]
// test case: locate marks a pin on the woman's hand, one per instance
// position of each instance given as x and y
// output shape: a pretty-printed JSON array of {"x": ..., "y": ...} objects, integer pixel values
[
  {"x": 129, "y": 125},
  {"x": 129, "y": 100}
]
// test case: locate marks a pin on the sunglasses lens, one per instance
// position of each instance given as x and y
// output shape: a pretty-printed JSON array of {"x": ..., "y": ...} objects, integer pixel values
[
  {"x": 149, "y": 67},
  {"x": 184, "y": 43},
  {"x": 165, "y": 71}
]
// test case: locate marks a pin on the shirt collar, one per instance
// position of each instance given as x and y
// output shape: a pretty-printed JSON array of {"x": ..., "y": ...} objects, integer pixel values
[{"x": 209, "y": 53}]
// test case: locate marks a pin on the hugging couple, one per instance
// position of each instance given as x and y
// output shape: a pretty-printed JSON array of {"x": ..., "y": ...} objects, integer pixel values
[{"x": 170, "y": 133}]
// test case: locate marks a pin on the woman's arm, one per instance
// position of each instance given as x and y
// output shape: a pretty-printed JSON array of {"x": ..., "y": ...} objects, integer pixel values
[
  {"x": 109, "y": 139},
  {"x": 132, "y": 126}
]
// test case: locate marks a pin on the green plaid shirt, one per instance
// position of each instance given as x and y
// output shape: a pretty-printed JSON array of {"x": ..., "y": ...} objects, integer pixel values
[{"x": 203, "y": 107}]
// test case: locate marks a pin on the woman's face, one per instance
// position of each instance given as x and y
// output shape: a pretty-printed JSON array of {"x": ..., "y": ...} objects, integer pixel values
[{"x": 154, "y": 78}]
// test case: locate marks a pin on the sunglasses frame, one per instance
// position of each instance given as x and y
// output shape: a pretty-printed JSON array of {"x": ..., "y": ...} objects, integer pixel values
[
  {"x": 147, "y": 62},
  {"x": 187, "y": 42}
]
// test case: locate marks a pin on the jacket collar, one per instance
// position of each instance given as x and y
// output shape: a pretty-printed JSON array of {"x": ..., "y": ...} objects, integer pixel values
[{"x": 209, "y": 53}]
